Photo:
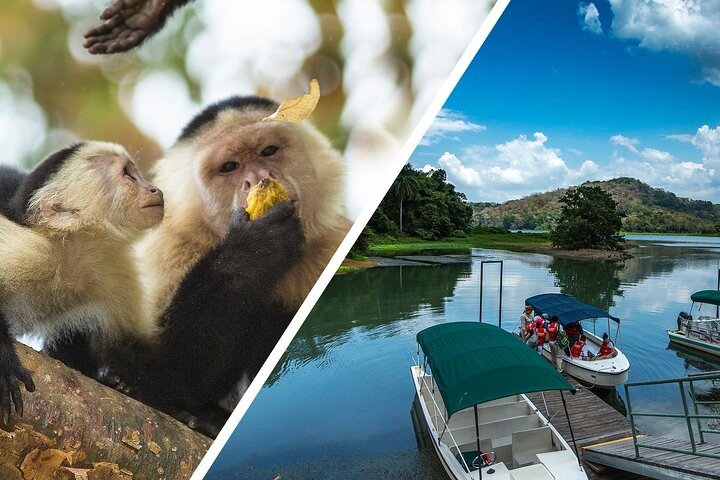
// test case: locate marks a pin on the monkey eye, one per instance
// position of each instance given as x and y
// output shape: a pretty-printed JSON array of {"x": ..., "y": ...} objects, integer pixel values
[
  {"x": 269, "y": 151},
  {"x": 128, "y": 175},
  {"x": 229, "y": 167}
]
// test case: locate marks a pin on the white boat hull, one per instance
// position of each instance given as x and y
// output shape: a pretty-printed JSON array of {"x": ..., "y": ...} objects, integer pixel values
[
  {"x": 680, "y": 338},
  {"x": 559, "y": 462},
  {"x": 602, "y": 373}
]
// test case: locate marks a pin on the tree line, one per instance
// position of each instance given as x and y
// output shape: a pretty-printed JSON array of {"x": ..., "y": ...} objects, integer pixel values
[{"x": 423, "y": 205}]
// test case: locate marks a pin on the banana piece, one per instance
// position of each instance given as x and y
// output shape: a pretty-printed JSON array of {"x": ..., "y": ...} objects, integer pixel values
[{"x": 263, "y": 196}]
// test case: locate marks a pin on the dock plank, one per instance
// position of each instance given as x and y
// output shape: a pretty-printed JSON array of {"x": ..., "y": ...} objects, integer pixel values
[
  {"x": 697, "y": 467},
  {"x": 593, "y": 422}
]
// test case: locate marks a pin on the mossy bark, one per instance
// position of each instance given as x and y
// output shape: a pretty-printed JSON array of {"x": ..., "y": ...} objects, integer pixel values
[{"x": 75, "y": 428}]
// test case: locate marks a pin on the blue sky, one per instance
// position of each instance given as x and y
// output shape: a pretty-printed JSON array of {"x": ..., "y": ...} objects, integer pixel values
[{"x": 565, "y": 91}]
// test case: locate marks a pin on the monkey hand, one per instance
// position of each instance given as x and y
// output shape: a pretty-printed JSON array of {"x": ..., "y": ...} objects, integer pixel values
[
  {"x": 127, "y": 24},
  {"x": 276, "y": 237},
  {"x": 12, "y": 373}
]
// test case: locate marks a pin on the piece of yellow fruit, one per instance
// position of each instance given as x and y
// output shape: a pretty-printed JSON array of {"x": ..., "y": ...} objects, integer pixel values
[{"x": 263, "y": 196}]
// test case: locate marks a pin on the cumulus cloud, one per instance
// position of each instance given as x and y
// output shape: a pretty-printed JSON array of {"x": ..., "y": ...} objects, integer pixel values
[
  {"x": 590, "y": 17},
  {"x": 449, "y": 123},
  {"x": 523, "y": 165},
  {"x": 686, "y": 26}
]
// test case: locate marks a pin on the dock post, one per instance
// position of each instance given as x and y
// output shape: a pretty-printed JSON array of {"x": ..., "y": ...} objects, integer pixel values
[
  {"x": 687, "y": 418},
  {"x": 632, "y": 421}
]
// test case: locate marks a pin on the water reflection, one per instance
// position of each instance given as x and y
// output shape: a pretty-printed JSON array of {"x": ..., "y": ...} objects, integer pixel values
[{"x": 338, "y": 401}]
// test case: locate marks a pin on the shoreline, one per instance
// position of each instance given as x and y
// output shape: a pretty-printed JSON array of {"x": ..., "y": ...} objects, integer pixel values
[{"x": 397, "y": 250}]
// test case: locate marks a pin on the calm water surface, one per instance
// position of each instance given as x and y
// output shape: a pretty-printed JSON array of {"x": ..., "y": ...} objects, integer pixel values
[{"x": 339, "y": 404}]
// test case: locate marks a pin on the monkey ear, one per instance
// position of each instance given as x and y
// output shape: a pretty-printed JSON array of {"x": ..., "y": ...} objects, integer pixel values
[{"x": 57, "y": 217}]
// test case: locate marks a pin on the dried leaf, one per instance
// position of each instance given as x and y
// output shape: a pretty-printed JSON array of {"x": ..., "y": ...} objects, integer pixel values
[
  {"x": 297, "y": 109},
  {"x": 132, "y": 440},
  {"x": 154, "y": 447},
  {"x": 39, "y": 465}
]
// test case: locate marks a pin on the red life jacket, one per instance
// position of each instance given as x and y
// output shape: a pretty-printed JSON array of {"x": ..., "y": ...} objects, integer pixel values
[
  {"x": 577, "y": 349},
  {"x": 605, "y": 348},
  {"x": 540, "y": 332},
  {"x": 573, "y": 330},
  {"x": 553, "y": 331}
]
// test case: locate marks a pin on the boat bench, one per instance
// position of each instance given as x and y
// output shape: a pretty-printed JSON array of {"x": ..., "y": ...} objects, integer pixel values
[
  {"x": 499, "y": 431},
  {"x": 490, "y": 413},
  {"x": 527, "y": 443}
]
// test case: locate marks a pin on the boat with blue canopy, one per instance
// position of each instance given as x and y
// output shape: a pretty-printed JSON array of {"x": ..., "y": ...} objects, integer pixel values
[
  {"x": 596, "y": 370},
  {"x": 471, "y": 387},
  {"x": 701, "y": 333}
]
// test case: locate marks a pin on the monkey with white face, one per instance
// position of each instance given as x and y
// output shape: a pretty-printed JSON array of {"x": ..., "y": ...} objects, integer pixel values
[
  {"x": 221, "y": 288},
  {"x": 66, "y": 230}
]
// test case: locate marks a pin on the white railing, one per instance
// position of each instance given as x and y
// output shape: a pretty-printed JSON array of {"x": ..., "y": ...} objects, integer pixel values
[{"x": 435, "y": 415}]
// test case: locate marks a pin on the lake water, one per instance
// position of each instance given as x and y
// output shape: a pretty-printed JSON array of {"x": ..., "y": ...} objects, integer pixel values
[{"x": 339, "y": 405}]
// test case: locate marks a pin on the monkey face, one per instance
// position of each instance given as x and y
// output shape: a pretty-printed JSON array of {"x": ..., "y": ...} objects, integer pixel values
[
  {"x": 240, "y": 156},
  {"x": 133, "y": 202},
  {"x": 98, "y": 186}
]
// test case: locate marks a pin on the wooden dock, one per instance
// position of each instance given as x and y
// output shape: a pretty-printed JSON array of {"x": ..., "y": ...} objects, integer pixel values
[
  {"x": 658, "y": 463},
  {"x": 606, "y": 443},
  {"x": 593, "y": 422}
]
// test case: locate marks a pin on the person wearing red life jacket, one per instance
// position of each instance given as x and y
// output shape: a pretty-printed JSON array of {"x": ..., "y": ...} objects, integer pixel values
[
  {"x": 541, "y": 334},
  {"x": 607, "y": 349},
  {"x": 552, "y": 333},
  {"x": 580, "y": 349},
  {"x": 573, "y": 331}
]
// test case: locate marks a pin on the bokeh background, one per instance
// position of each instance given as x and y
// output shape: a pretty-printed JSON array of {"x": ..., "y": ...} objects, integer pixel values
[{"x": 379, "y": 64}]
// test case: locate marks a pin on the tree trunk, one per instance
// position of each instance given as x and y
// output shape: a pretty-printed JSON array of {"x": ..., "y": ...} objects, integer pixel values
[
  {"x": 74, "y": 428},
  {"x": 401, "y": 205}
]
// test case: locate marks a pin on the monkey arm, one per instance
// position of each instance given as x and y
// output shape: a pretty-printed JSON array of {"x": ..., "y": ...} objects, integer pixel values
[
  {"x": 127, "y": 23},
  {"x": 223, "y": 320},
  {"x": 12, "y": 373}
]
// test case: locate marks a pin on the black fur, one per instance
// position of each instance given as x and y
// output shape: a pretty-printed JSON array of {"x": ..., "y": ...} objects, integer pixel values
[
  {"x": 222, "y": 322},
  {"x": 16, "y": 208},
  {"x": 210, "y": 113},
  {"x": 16, "y": 190}
]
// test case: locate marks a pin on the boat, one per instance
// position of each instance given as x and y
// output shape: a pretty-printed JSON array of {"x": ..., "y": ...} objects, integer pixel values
[
  {"x": 605, "y": 373},
  {"x": 471, "y": 389},
  {"x": 702, "y": 333}
]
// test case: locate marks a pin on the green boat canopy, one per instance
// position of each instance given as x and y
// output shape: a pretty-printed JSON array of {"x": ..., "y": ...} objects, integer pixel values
[
  {"x": 706, "y": 296},
  {"x": 474, "y": 363}
]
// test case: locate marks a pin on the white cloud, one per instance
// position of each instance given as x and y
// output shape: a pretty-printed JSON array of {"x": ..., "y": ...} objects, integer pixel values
[
  {"x": 590, "y": 16},
  {"x": 686, "y": 26},
  {"x": 449, "y": 122},
  {"x": 626, "y": 142},
  {"x": 522, "y": 166},
  {"x": 428, "y": 168},
  {"x": 462, "y": 175}
]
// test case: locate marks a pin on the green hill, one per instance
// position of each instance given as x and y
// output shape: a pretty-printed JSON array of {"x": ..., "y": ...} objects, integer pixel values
[{"x": 646, "y": 209}]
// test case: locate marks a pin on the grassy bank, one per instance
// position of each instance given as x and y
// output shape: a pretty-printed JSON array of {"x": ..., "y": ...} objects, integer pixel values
[{"x": 517, "y": 242}]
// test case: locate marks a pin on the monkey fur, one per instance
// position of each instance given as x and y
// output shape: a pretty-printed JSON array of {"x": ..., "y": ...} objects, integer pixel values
[
  {"x": 65, "y": 252},
  {"x": 223, "y": 289}
]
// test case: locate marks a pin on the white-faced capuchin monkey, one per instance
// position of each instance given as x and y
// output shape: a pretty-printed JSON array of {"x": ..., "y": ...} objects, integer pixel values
[
  {"x": 223, "y": 288},
  {"x": 65, "y": 253},
  {"x": 128, "y": 23}
]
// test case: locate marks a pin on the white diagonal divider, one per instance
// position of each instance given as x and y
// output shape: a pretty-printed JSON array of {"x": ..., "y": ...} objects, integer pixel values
[{"x": 372, "y": 204}]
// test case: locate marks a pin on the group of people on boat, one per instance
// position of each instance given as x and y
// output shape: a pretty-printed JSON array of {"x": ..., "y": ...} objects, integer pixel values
[{"x": 538, "y": 330}]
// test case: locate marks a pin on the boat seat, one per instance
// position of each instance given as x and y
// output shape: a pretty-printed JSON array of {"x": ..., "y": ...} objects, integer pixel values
[
  {"x": 499, "y": 431},
  {"x": 531, "y": 472},
  {"x": 527, "y": 443},
  {"x": 491, "y": 413}
]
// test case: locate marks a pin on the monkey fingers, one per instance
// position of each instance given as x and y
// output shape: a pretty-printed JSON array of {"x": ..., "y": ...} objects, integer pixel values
[
  {"x": 10, "y": 378},
  {"x": 127, "y": 24}
]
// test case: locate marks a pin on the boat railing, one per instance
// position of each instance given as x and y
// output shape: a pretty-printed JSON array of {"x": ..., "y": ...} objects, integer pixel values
[
  {"x": 437, "y": 412},
  {"x": 690, "y": 381}
]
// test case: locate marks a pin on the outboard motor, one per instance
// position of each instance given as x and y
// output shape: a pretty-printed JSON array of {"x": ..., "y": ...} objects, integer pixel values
[{"x": 682, "y": 319}]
